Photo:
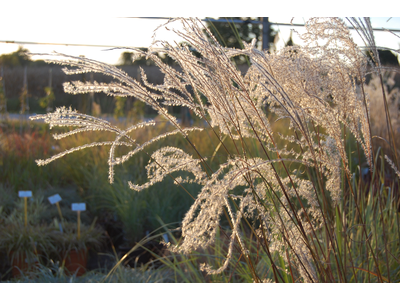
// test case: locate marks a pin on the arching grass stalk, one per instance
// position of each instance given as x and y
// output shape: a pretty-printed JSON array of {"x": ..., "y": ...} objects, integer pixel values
[{"x": 300, "y": 217}]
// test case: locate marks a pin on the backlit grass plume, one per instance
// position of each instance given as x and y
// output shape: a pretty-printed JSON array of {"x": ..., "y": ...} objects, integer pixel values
[{"x": 289, "y": 183}]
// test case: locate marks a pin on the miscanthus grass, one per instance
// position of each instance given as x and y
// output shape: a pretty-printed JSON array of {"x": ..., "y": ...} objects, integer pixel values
[{"x": 293, "y": 191}]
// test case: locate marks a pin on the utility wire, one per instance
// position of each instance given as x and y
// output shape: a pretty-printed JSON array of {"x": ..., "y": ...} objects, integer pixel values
[
  {"x": 60, "y": 44},
  {"x": 253, "y": 22},
  {"x": 165, "y": 18}
]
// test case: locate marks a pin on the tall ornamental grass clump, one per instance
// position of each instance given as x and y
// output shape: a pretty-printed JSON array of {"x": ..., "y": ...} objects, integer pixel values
[{"x": 289, "y": 189}]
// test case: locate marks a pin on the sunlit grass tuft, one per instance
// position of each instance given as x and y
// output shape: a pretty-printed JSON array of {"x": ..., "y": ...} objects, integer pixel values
[{"x": 288, "y": 184}]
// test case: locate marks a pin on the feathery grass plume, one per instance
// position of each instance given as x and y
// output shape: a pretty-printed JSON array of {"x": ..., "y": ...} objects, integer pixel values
[
  {"x": 168, "y": 160},
  {"x": 295, "y": 215},
  {"x": 392, "y": 165}
]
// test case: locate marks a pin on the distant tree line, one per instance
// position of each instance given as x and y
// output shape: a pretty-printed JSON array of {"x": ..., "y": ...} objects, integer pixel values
[{"x": 19, "y": 58}]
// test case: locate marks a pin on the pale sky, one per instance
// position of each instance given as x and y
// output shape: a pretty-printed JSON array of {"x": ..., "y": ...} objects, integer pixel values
[{"x": 80, "y": 22}]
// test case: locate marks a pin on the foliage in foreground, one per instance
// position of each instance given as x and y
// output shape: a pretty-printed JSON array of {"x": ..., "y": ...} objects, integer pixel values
[
  {"x": 56, "y": 273},
  {"x": 304, "y": 205}
]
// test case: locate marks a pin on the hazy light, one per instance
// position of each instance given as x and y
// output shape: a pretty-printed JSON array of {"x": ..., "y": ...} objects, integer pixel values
[{"x": 99, "y": 29}]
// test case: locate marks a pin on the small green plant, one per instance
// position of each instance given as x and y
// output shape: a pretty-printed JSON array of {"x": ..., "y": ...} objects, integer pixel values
[
  {"x": 119, "y": 107},
  {"x": 46, "y": 102},
  {"x": 24, "y": 234},
  {"x": 90, "y": 237},
  {"x": 26, "y": 245}
]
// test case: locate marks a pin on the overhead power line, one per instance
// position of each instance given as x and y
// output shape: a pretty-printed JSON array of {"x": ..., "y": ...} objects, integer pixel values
[
  {"x": 253, "y": 22},
  {"x": 264, "y": 21},
  {"x": 266, "y": 25},
  {"x": 60, "y": 44}
]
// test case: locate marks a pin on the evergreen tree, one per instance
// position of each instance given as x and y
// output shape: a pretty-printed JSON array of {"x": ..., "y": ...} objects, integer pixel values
[{"x": 231, "y": 34}]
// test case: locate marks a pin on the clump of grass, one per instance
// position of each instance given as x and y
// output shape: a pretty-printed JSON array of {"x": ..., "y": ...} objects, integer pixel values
[{"x": 312, "y": 218}]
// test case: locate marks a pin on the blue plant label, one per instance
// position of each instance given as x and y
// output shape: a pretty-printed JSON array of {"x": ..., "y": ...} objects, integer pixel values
[
  {"x": 54, "y": 199},
  {"x": 78, "y": 206},
  {"x": 165, "y": 237},
  {"x": 23, "y": 194}
]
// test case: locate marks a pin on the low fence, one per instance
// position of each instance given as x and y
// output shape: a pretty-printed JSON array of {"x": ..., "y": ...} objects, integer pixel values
[{"x": 37, "y": 78}]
